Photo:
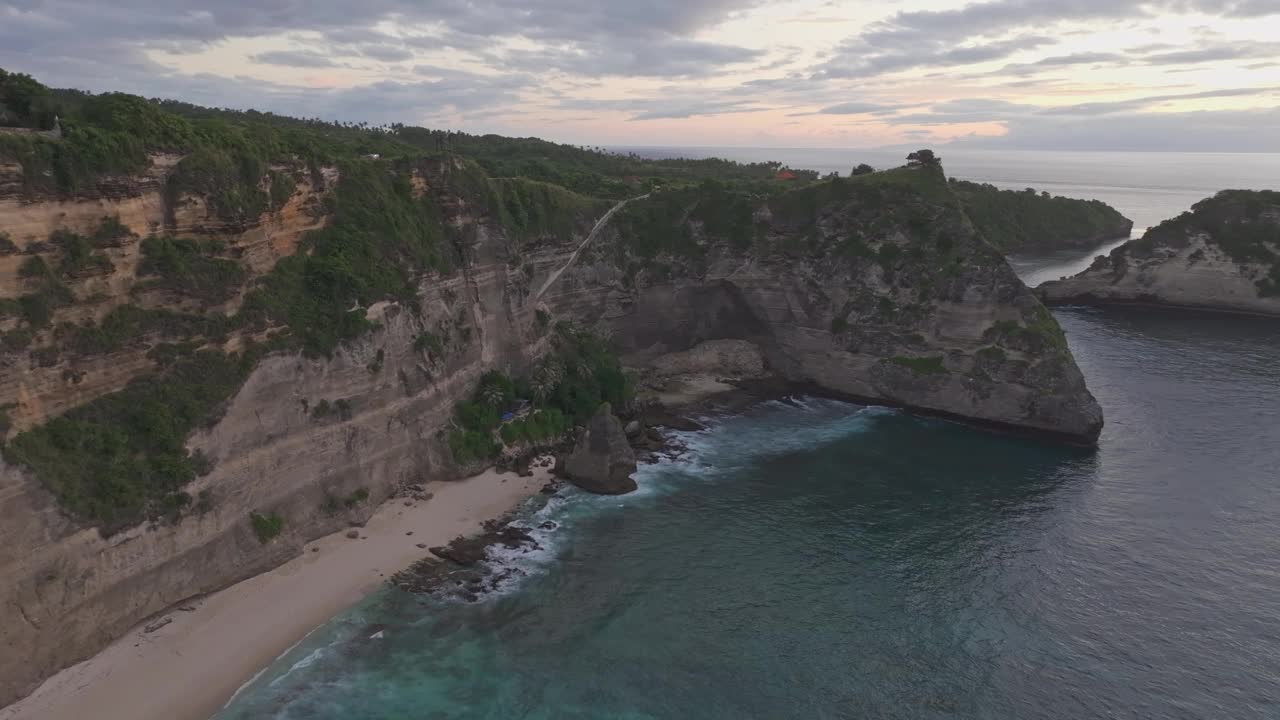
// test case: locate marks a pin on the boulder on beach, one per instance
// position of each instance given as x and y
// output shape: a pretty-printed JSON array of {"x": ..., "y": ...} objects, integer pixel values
[{"x": 602, "y": 462}]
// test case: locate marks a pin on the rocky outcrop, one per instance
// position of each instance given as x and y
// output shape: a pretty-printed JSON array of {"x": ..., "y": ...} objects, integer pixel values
[
  {"x": 1223, "y": 255},
  {"x": 602, "y": 462},
  {"x": 876, "y": 289}
]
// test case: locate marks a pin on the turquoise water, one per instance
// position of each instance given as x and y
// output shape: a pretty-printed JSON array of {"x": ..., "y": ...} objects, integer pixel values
[{"x": 823, "y": 560}]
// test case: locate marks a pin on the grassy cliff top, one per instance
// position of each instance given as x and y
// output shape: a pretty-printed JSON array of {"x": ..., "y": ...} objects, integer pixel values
[
  {"x": 114, "y": 134},
  {"x": 1014, "y": 220}
]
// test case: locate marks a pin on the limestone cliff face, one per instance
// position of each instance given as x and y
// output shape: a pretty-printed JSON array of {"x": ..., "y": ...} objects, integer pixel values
[
  {"x": 68, "y": 591},
  {"x": 35, "y": 385},
  {"x": 1223, "y": 255},
  {"x": 880, "y": 290},
  {"x": 877, "y": 289}
]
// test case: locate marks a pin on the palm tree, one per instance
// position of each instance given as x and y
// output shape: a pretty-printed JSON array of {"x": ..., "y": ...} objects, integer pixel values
[{"x": 492, "y": 395}]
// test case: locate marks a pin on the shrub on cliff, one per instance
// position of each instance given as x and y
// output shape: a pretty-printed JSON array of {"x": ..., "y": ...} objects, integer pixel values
[
  {"x": 266, "y": 527},
  {"x": 191, "y": 268},
  {"x": 122, "y": 458},
  {"x": 381, "y": 238}
]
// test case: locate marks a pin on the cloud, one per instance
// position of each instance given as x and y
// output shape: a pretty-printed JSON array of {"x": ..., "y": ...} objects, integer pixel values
[
  {"x": 856, "y": 108},
  {"x": 1215, "y": 131},
  {"x": 294, "y": 58},
  {"x": 473, "y": 60},
  {"x": 1114, "y": 106},
  {"x": 986, "y": 31},
  {"x": 1218, "y": 52},
  {"x": 859, "y": 58},
  {"x": 653, "y": 38},
  {"x": 385, "y": 53},
  {"x": 664, "y": 108},
  {"x": 666, "y": 58}
]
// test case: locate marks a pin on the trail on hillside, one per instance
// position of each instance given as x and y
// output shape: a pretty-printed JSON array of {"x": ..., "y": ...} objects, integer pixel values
[{"x": 604, "y": 220}]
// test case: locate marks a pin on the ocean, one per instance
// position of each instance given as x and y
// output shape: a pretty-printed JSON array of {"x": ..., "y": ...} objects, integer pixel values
[{"x": 816, "y": 559}]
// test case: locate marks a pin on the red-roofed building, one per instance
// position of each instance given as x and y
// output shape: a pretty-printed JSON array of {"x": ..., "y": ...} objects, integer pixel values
[{"x": 785, "y": 175}]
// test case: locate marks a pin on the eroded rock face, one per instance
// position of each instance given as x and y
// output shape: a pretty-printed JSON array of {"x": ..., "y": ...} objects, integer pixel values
[
  {"x": 603, "y": 462},
  {"x": 1223, "y": 255},
  {"x": 879, "y": 291},
  {"x": 738, "y": 358}
]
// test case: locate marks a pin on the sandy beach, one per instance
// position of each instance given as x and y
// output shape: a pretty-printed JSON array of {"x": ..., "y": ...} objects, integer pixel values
[{"x": 190, "y": 667}]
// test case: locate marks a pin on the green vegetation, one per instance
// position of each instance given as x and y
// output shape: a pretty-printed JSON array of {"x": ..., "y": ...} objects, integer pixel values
[
  {"x": 122, "y": 458},
  {"x": 34, "y": 267},
  {"x": 379, "y": 241},
  {"x": 566, "y": 387},
  {"x": 538, "y": 209},
  {"x": 595, "y": 172},
  {"x": 333, "y": 505},
  {"x": 540, "y": 426},
  {"x": 108, "y": 134},
  {"x": 1244, "y": 223},
  {"x": 190, "y": 268},
  {"x": 1040, "y": 331},
  {"x": 341, "y": 408},
  {"x": 230, "y": 178},
  {"x": 7, "y": 246},
  {"x": 282, "y": 188},
  {"x": 266, "y": 527},
  {"x": 127, "y": 323},
  {"x": 429, "y": 343},
  {"x": 921, "y": 365},
  {"x": 37, "y": 307},
  {"x": 1023, "y": 220},
  {"x": 993, "y": 354},
  {"x": 78, "y": 256},
  {"x": 111, "y": 233}
]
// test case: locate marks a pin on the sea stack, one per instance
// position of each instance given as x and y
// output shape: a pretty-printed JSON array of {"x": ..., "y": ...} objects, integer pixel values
[{"x": 602, "y": 462}]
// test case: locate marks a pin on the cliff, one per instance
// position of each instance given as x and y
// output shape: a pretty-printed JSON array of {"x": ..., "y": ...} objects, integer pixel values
[
  {"x": 875, "y": 288},
  {"x": 252, "y": 334},
  {"x": 1024, "y": 221},
  {"x": 1222, "y": 255}
]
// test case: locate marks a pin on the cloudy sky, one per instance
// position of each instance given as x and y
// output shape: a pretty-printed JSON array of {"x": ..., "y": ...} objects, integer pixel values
[{"x": 1054, "y": 74}]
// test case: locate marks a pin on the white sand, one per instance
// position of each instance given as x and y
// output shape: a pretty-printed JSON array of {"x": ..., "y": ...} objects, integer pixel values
[{"x": 189, "y": 668}]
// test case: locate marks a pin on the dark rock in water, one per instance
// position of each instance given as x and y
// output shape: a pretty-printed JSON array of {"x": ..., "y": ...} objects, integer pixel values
[
  {"x": 603, "y": 462},
  {"x": 548, "y": 525},
  {"x": 658, "y": 415},
  {"x": 634, "y": 428},
  {"x": 462, "y": 551},
  {"x": 550, "y": 488},
  {"x": 466, "y": 566}
]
